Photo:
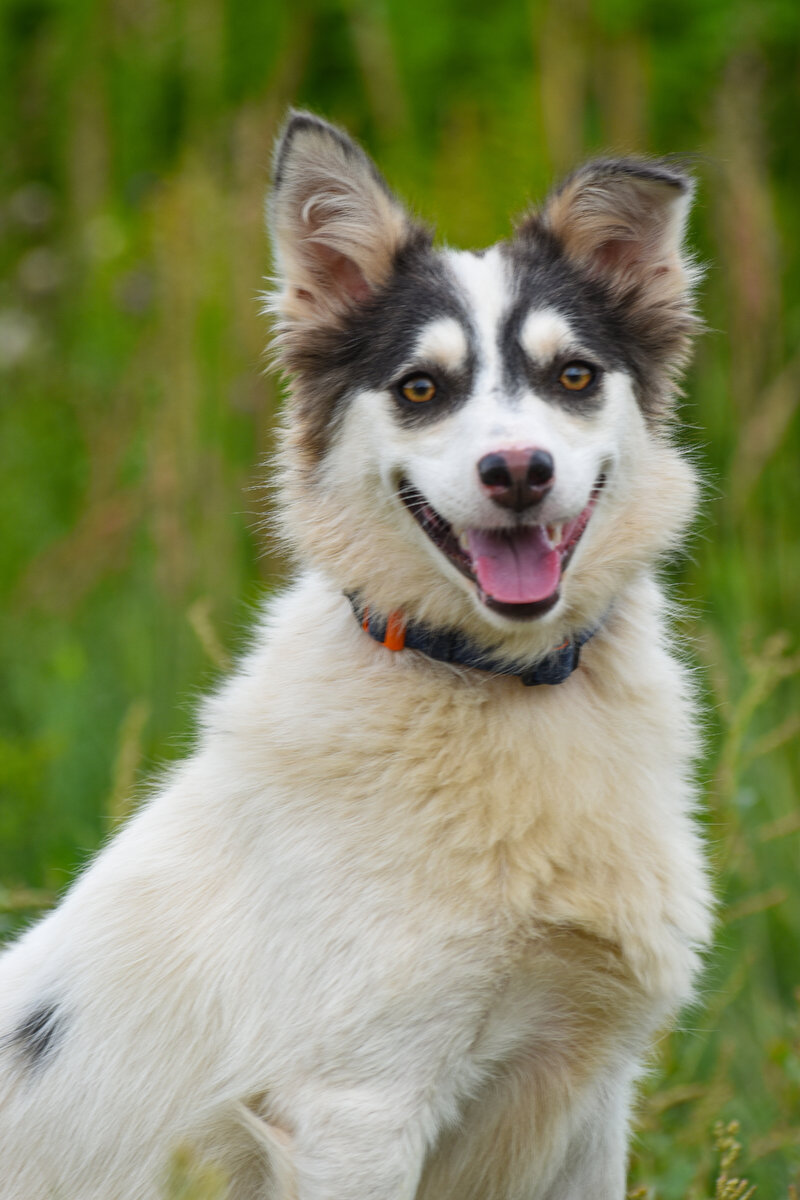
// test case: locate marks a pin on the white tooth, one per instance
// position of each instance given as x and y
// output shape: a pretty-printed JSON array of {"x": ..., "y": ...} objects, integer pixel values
[
  {"x": 463, "y": 540},
  {"x": 555, "y": 533}
]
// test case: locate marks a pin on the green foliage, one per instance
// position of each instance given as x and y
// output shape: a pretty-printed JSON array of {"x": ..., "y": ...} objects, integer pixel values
[
  {"x": 134, "y": 414},
  {"x": 190, "y": 1179}
]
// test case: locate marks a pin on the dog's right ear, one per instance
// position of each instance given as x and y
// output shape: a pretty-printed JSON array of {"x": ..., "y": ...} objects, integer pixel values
[{"x": 335, "y": 225}]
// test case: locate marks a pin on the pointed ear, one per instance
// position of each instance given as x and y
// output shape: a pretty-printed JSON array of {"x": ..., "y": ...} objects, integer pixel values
[
  {"x": 622, "y": 223},
  {"x": 624, "y": 220},
  {"x": 335, "y": 225}
]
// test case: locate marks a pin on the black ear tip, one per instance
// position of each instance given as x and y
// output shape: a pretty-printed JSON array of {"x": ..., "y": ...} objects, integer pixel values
[
  {"x": 660, "y": 172},
  {"x": 300, "y": 121},
  {"x": 297, "y": 120},
  {"x": 669, "y": 172}
]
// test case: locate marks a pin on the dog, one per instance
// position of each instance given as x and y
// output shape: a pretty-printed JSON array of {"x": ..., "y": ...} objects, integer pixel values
[{"x": 406, "y": 922}]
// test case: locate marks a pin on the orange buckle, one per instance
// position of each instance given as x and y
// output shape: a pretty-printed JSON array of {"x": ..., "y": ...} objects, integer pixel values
[{"x": 395, "y": 636}]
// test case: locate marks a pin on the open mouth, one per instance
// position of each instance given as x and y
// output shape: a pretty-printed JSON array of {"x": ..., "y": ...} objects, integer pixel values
[{"x": 517, "y": 571}]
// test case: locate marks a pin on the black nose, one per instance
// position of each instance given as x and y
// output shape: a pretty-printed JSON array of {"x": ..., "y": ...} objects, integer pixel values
[{"x": 517, "y": 479}]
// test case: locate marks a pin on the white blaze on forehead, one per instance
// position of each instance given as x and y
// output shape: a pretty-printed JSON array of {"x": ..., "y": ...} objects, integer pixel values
[
  {"x": 485, "y": 288},
  {"x": 545, "y": 334},
  {"x": 444, "y": 342}
]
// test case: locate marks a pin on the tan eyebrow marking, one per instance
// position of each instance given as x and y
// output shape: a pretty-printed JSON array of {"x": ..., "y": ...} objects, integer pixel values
[
  {"x": 545, "y": 334},
  {"x": 443, "y": 342}
]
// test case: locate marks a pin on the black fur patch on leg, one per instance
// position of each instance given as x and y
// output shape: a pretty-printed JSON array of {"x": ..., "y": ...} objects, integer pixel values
[{"x": 38, "y": 1035}]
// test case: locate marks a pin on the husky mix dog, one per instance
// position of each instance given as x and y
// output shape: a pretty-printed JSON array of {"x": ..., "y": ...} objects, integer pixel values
[{"x": 407, "y": 920}]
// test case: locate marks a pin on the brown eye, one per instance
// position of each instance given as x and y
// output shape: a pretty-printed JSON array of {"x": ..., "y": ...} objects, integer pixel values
[
  {"x": 576, "y": 376},
  {"x": 418, "y": 388}
]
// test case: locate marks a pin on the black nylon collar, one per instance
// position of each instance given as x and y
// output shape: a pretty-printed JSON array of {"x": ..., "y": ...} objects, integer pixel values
[{"x": 450, "y": 646}]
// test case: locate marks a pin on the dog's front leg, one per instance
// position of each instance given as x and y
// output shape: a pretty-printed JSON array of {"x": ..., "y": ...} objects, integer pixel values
[
  {"x": 596, "y": 1161},
  {"x": 359, "y": 1146}
]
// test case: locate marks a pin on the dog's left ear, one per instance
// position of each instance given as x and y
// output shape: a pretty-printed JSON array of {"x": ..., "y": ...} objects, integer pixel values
[
  {"x": 624, "y": 220},
  {"x": 335, "y": 225}
]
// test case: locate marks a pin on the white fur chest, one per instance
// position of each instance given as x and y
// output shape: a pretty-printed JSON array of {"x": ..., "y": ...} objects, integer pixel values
[{"x": 502, "y": 811}]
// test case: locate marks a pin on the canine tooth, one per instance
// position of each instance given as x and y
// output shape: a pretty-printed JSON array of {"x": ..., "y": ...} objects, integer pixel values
[
  {"x": 555, "y": 533},
  {"x": 463, "y": 540}
]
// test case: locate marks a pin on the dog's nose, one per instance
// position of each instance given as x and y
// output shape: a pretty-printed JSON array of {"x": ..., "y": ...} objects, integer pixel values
[{"x": 517, "y": 479}]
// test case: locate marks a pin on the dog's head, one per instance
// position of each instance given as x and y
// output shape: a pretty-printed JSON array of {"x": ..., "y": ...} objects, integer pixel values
[{"x": 480, "y": 439}]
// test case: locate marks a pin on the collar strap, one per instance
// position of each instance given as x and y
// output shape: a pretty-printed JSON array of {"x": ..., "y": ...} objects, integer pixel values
[{"x": 450, "y": 646}]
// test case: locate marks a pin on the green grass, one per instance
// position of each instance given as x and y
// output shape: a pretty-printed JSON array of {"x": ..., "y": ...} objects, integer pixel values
[{"x": 134, "y": 416}]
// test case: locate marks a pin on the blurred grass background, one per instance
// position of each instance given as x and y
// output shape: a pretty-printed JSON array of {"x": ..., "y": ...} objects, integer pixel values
[{"x": 134, "y": 414}]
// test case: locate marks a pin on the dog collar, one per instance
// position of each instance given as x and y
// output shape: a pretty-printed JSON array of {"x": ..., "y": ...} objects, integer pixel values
[{"x": 450, "y": 646}]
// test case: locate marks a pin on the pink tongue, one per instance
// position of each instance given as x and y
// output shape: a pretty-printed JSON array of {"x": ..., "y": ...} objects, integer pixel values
[{"x": 517, "y": 568}]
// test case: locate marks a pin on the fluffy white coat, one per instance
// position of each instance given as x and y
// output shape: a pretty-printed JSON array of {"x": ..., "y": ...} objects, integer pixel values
[{"x": 396, "y": 930}]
